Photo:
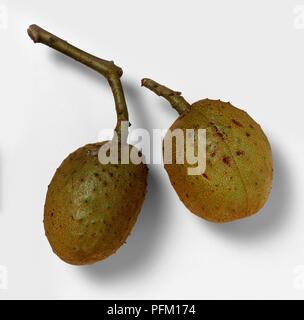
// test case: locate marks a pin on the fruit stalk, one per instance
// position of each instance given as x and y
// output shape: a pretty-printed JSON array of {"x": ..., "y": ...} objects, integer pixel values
[
  {"x": 106, "y": 68},
  {"x": 175, "y": 98}
]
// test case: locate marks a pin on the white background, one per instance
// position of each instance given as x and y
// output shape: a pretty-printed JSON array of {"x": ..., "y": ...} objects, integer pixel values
[{"x": 247, "y": 52}]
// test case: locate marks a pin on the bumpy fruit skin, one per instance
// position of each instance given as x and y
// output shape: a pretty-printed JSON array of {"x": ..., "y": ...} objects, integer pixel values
[
  {"x": 91, "y": 208},
  {"x": 238, "y": 176}
]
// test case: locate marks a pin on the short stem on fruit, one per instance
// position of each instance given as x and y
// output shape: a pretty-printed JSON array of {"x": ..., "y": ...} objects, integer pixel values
[
  {"x": 175, "y": 98},
  {"x": 106, "y": 68}
]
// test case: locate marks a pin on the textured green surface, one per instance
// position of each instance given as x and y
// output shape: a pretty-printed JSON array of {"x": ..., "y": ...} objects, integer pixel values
[
  {"x": 238, "y": 177},
  {"x": 91, "y": 208}
]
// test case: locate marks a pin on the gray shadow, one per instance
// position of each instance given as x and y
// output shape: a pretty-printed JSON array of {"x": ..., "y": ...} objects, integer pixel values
[
  {"x": 275, "y": 214},
  {"x": 136, "y": 106},
  {"x": 142, "y": 246},
  {"x": 145, "y": 242},
  {"x": 135, "y": 92}
]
